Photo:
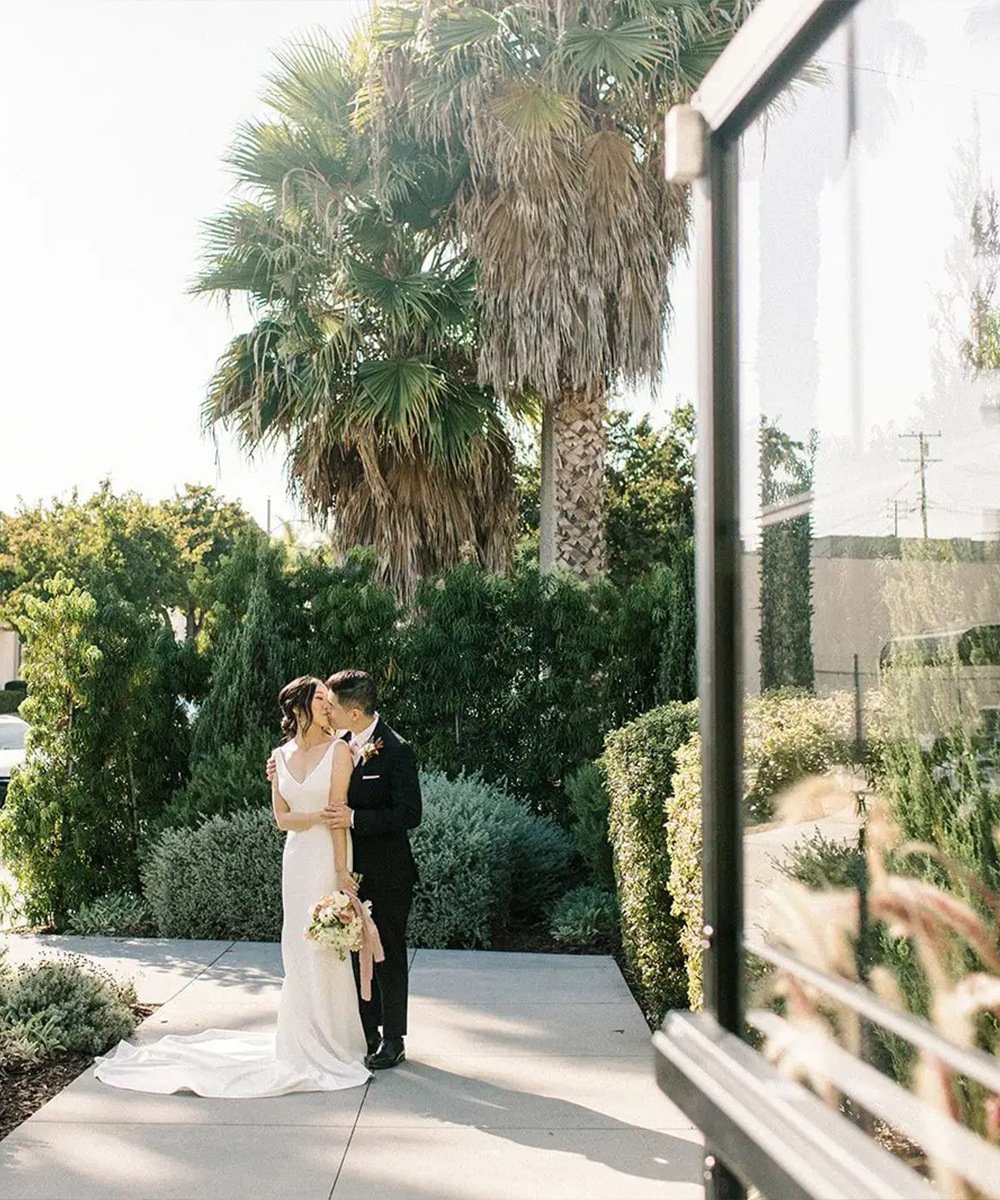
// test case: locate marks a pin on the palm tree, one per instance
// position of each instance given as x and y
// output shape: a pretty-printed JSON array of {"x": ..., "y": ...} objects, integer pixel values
[
  {"x": 361, "y": 358},
  {"x": 556, "y": 107}
]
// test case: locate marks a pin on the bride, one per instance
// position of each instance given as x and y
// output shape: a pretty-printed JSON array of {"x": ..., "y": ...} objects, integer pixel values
[{"x": 318, "y": 1044}]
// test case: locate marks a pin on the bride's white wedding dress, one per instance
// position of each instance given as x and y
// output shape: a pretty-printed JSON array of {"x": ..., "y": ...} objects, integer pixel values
[{"x": 318, "y": 1044}]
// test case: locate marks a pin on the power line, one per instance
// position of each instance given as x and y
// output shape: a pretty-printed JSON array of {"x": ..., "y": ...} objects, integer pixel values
[
  {"x": 923, "y": 462},
  {"x": 893, "y": 505}
]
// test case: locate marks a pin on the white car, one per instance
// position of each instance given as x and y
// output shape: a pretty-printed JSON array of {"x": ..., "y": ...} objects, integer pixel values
[{"x": 12, "y": 731}]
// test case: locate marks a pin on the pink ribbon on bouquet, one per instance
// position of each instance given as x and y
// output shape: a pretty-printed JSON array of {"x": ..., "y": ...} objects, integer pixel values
[{"x": 371, "y": 947}]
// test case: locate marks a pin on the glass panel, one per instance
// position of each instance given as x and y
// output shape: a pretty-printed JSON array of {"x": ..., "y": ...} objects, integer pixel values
[{"x": 870, "y": 459}]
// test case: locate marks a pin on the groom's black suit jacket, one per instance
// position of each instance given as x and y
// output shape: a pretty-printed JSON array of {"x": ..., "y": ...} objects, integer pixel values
[{"x": 385, "y": 795}]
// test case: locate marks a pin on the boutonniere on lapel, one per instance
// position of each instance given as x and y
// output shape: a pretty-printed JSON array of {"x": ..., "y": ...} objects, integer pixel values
[{"x": 369, "y": 750}]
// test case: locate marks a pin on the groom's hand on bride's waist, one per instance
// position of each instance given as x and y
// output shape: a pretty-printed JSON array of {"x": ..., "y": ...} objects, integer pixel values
[
  {"x": 270, "y": 769},
  {"x": 337, "y": 816}
]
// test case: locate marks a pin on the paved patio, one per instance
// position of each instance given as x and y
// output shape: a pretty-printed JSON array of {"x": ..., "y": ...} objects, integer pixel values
[{"x": 528, "y": 1076}]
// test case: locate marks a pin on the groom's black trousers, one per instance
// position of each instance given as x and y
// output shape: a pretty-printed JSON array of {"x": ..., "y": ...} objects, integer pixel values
[{"x": 387, "y": 1007}]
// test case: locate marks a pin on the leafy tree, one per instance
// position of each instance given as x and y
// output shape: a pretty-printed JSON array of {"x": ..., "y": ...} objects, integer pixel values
[
  {"x": 786, "y": 471},
  {"x": 679, "y": 658},
  {"x": 649, "y": 488},
  {"x": 648, "y": 491},
  {"x": 114, "y": 547},
  {"x": 206, "y": 529},
  {"x": 158, "y": 557},
  {"x": 252, "y": 665},
  {"x": 355, "y": 620},
  {"x": 362, "y": 355},
  {"x": 556, "y": 111},
  {"x": 107, "y": 745}
]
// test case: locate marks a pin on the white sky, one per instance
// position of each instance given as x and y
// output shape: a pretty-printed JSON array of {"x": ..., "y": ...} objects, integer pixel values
[
  {"x": 114, "y": 118},
  {"x": 916, "y": 112}
]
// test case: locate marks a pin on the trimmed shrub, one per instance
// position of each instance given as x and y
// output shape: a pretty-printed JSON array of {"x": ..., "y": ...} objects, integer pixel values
[
  {"x": 818, "y": 862},
  {"x": 786, "y": 735},
  {"x": 585, "y": 918},
  {"x": 482, "y": 855},
  {"x": 484, "y": 859},
  {"x": 542, "y": 854},
  {"x": 118, "y": 914},
  {"x": 639, "y": 762},
  {"x": 222, "y": 880},
  {"x": 683, "y": 838},
  {"x": 10, "y": 701},
  {"x": 587, "y": 801},
  {"x": 66, "y": 1004},
  {"x": 462, "y": 847}
]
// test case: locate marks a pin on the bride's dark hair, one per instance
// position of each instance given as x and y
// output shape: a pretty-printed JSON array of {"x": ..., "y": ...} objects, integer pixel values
[{"x": 296, "y": 698}]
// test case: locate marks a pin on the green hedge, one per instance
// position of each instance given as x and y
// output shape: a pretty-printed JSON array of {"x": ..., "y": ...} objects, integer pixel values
[
  {"x": 639, "y": 764},
  {"x": 683, "y": 840},
  {"x": 786, "y": 735},
  {"x": 484, "y": 861},
  {"x": 221, "y": 880},
  {"x": 462, "y": 846},
  {"x": 10, "y": 701}
]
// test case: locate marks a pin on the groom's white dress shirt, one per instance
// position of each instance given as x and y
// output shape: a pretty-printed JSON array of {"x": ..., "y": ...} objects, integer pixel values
[{"x": 359, "y": 739}]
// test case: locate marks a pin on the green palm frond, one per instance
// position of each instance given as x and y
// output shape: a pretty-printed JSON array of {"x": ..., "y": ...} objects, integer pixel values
[
  {"x": 314, "y": 82},
  {"x": 397, "y": 394},
  {"x": 455, "y": 31},
  {"x": 394, "y": 25},
  {"x": 531, "y": 112},
  {"x": 266, "y": 155},
  {"x": 245, "y": 252},
  {"x": 622, "y": 52},
  {"x": 696, "y": 57},
  {"x": 403, "y": 302},
  {"x": 461, "y": 417}
]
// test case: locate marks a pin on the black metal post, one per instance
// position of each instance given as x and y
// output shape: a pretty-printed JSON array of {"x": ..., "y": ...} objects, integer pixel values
[
  {"x": 859, "y": 732},
  {"x": 719, "y": 564}
]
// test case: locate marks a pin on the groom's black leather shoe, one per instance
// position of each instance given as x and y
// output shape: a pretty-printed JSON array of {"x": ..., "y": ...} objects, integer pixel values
[
  {"x": 373, "y": 1045},
  {"x": 389, "y": 1054}
]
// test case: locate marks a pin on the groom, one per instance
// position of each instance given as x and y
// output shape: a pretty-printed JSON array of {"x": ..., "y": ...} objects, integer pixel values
[{"x": 383, "y": 802}]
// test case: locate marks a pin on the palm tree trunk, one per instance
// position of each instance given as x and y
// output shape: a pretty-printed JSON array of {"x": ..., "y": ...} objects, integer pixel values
[
  {"x": 572, "y": 496},
  {"x": 547, "y": 494}
]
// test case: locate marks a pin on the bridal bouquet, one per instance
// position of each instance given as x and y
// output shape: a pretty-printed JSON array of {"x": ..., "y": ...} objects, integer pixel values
[{"x": 336, "y": 921}]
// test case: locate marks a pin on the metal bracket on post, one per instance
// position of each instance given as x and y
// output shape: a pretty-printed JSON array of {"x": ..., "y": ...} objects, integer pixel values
[{"x": 685, "y": 144}]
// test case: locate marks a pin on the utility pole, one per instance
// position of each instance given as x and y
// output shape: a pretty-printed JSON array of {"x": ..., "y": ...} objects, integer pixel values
[
  {"x": 894, "y": 508},
  {"x": 923, "y": 462},
  {"x": 894, "y": 517}
]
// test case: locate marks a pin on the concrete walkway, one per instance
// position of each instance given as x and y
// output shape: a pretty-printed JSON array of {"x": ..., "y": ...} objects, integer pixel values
[{"x": 528, "y": 1076}]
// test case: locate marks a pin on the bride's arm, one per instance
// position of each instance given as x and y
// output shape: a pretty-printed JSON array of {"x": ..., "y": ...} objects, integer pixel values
[
  {"x": 284, "y": 817},
  {"x": 340, "y": 779}
]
